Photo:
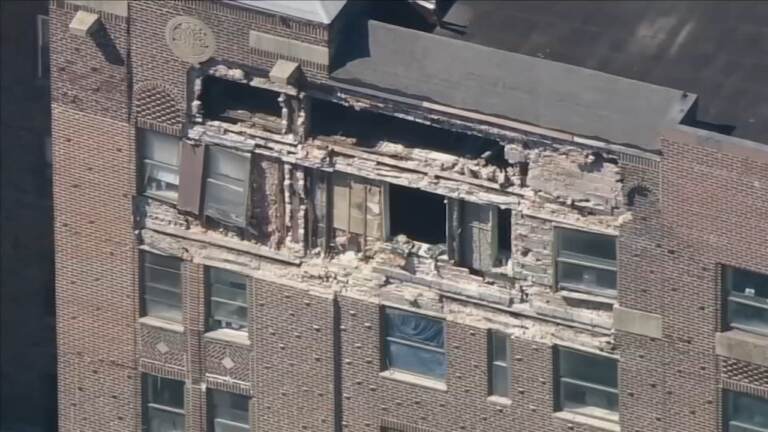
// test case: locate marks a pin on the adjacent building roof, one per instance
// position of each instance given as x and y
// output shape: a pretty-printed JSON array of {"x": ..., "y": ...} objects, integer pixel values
[
  {"x": 717, "y": 50},
  {"x": 520, "y": 87},
  {"x": 323, "y": 11}
]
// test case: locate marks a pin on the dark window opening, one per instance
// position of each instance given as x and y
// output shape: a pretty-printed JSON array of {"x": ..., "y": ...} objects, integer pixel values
[
  {"x": 368, "y": 129},
  {"x": 417, "y": 214},
  {"x": 505, "y": 231},
  {"x": 235, "y": 102}
]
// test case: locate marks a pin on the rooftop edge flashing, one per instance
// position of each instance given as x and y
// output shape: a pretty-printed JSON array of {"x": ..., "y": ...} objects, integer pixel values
[{"x": 322, "y": 11}]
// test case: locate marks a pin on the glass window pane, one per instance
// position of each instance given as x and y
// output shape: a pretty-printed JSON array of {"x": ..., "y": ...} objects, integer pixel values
[
  {"x": 499, "y": 347},
  {"x": 499, "y": 380},
  {"x": 749, "y": 316},
  {"x": 165, "y": 391},
  {"x": 415, "y": 328},
  {"x": 229, "y": 315},
  {"x": 748, "y": 410},
  {"x": 159, "y": 147},
  {"x": 162, "y": 277},
  {"x": 589, "y": 401},
  {"x": 164, "y": 421},
  {"x": 159, "y": 309},
  {"x": 746, "y": 282},
  {"x": 578, "y": 276},
  {"x": 168, "y": 262},
  {"x": 229, "y": 411},
  {"x": 588, "y": 244},
  {"x": 228, "y": 164},
  {"x": 588, "y": 368},
  {"x": 416, "y": 360},
  {"x": 225, "y": 203},
  {"x": 161, "y": 180},
  {"x": 169, "y": 296},
  {"x": 228, "y": 285}
]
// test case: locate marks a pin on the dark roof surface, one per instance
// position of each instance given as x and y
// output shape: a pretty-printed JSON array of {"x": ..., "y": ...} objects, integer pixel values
[
  {"x": 717, "y": 50},
  {"x": 585, "y": 102}
]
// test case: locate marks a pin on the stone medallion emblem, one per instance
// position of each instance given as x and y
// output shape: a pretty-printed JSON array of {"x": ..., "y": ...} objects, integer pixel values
[{"x": 190, "y": 39}]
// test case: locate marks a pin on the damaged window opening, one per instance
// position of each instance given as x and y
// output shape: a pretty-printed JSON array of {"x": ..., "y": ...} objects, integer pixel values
[
  {"x": 228, "y": 412},
  {"x": 747, "y": 294},
  {"x": 159, "y": 154},
  {"x": 226, "y": 176},
  {"x": 228, "y": 300},
  {"x": 396, "y": 136},
  {"x": 235, "y": 102},
  {"x": 418, "y": 215},
  {"x": 161, "y": 286},
  {"x": 587, "y": 384},
  {"x": 746, "y": 413},
  {"x": 414, "y": 343},
  {"x": 586, "y": 262},
  {"x": 163, "y": 404},
  {"x": 358, "y": 211},
  {"x": 505, "y": 235}
]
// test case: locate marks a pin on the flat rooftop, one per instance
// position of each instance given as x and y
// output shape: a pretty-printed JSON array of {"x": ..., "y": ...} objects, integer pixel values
[{"x": 715, "y": 49}]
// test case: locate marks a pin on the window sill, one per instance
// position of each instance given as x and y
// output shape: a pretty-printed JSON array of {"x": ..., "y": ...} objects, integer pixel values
[
  {"x": 407, "y": 378},
  {"x": 160, "y": 198},
  {"x": 742, "y": 345},
  {"x": 585, "y": 297},
  {"x": 499, "y": 400},
  {"x": 160, "y": 323},
  {"x": 589, "y": 421},
  {"x": 229, "y": 335}
]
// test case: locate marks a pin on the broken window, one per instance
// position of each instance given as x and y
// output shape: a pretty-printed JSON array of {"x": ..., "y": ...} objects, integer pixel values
[
  {"x": 746, "y": 413},
  {"x": 358, "y": 211},
  {"x": 417, "y": 214},
  {"x": 163, "y": 404},
  {"x": 159, "y": 154},
  {"x": 587, "y": 384},
  {"x": 414, "y": 343},
  {"x": 235, "y": 102},
  {"x": 228, "y": 299},
  {"x": 43, "y": 48},
  {"x": 228, "y": 412},
  {"x": 747, "y": 294},
  {"x": 498, "y": 364},
  {"x": 161, "y": 286},
  {"x": 226, "y": 180},
  {"x": 586, "y": 261}
]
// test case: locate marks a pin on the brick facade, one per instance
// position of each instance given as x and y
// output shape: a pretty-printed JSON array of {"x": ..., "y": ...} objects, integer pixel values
[{"x": 312, "y": 360}]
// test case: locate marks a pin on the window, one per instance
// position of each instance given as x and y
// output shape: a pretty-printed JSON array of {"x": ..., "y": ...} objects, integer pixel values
[
  {"x": 586, "y": 262},
  {"x": 746, "y": 413},
  {"x": 164, "y": 404},
  {"x": 234, "y": 102},
  {"x": 228, "y": 300},
  {"x": 747, "y": 294},
  {"x": 587, "y": 384},
  {"x": 161, "y": 283},
  {"x": 225, "y": 186},
  {"x": 418, "y": 214},
  {"x": 43, "y": 48},
  {"x": 160, "y": 164},
  {"x": 498, "y": 375},
  {"x": 357, "y": 211},
  {"x": 228, "y": 412},
  {"x": 414, "y": 343}
]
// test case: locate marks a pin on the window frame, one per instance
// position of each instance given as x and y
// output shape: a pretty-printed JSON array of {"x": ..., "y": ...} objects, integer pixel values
[
  {"x": 146, "y": 162},
  {"x": 143, "y": 285},
  {"x": 728, "y": 399},
  {"x": 147, "y": 406},
  {"x": 212, "y": 419},
  {"x": 573, "y": 258},
  {"x": 726, "y": 275},
  {"x": 493, "y": 363},
  {"x": 559, "y": 396},
  {"x": 209, "y": 270},
  {"x": 386, "y": 363},
  {"x": 341, "y": 179},
  {"x": 39, "y": 45},
  {"x": 221, "y": 183}
]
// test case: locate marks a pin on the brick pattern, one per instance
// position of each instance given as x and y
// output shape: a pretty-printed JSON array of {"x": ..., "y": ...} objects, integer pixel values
[
  {"x": 216, "y": 355},
  {"x": 155, "y": 103},
  {"x": 744, "y": 372},
  {"x": 163, "y": 346},
  {"x": 294, "y": 372}
]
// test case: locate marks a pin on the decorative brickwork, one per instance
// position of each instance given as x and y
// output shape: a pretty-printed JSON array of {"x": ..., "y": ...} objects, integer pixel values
[
  {"x": 744, "y": 372},
  {"x": 227, "y": 360},
  {"x": 162, "y": 346},
  {"x": 155, "y": 103}
]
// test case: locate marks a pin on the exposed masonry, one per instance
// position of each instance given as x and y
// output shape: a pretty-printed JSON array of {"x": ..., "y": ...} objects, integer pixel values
[{"x": 544, "y": 183}]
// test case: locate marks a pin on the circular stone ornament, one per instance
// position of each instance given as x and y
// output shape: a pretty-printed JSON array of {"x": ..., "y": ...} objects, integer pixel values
[{"x": 190, "y": 39}]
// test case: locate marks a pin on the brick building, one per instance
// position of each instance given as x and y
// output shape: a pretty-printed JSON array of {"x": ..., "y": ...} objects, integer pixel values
[{"x": 327, "y": 216}]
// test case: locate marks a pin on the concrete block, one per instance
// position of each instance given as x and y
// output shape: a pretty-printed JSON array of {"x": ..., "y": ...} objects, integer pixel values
[
  {"x": 637, "y": 322},
  {"x": 84, "y": 23},
  {"x": 740, "y": 345},
  {"x": 285, "y": 72},
  {"x": 288, "y": 48}
]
